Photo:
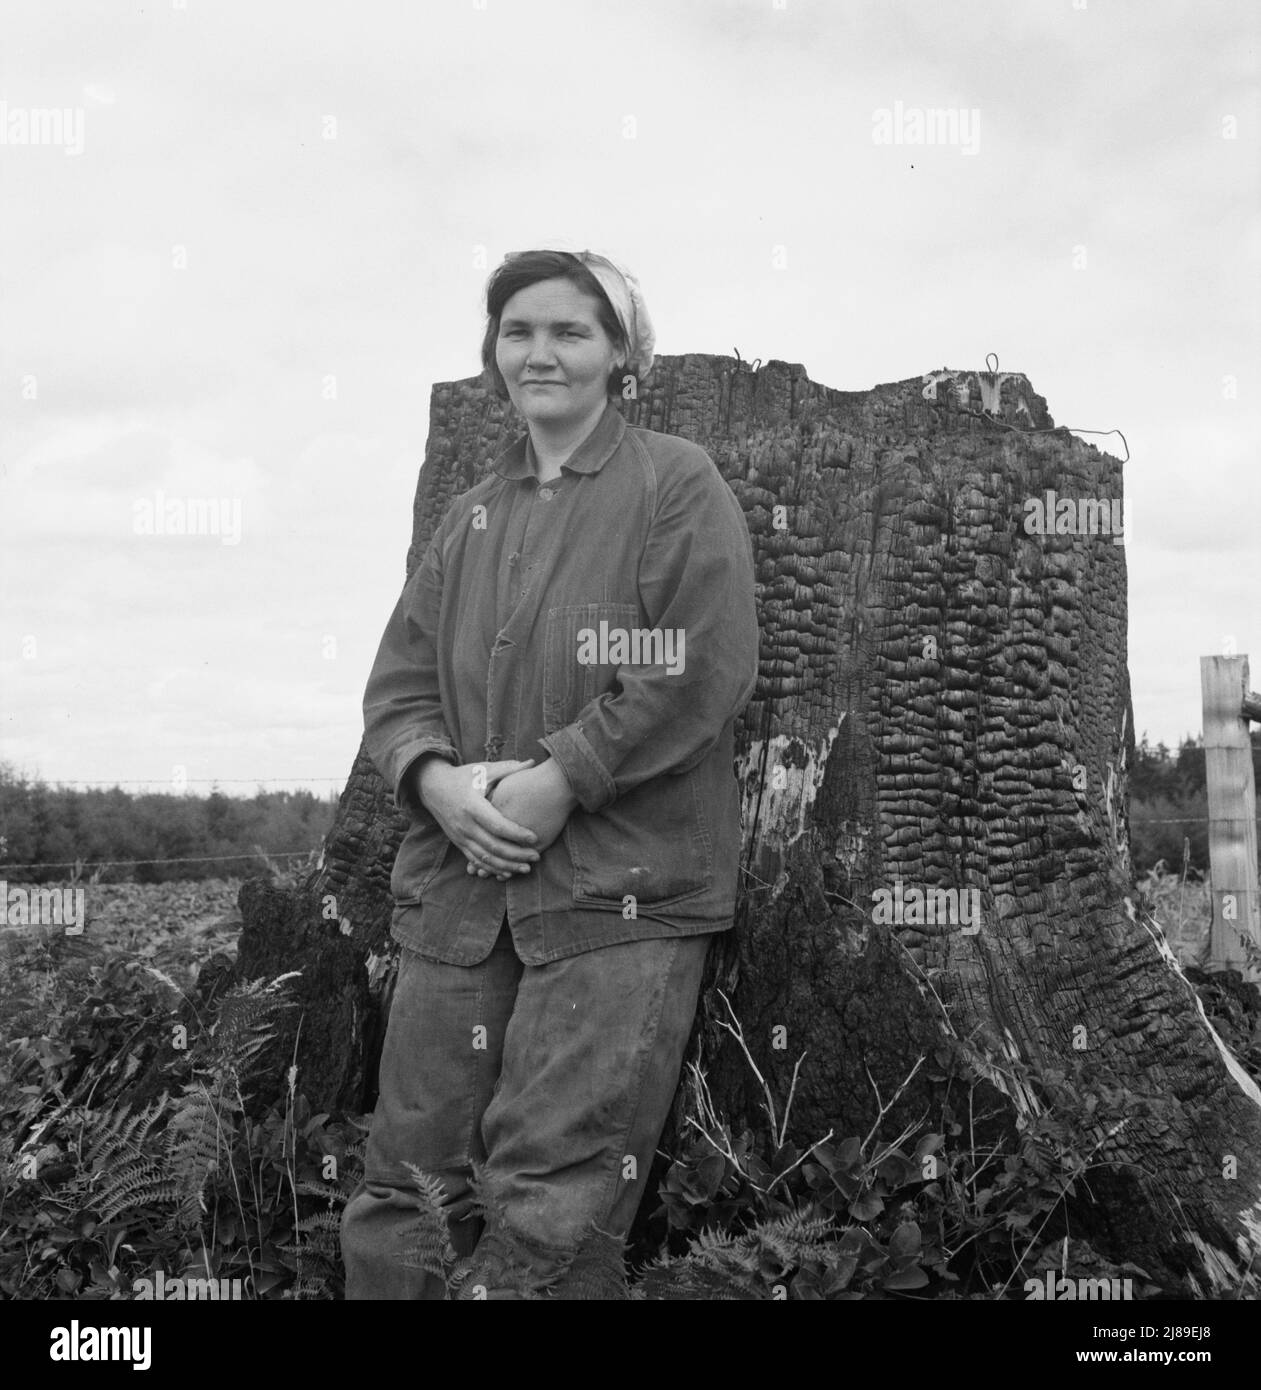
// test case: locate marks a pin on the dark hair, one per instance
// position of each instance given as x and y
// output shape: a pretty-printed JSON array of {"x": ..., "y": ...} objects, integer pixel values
[{"x": 530, "y": 268}]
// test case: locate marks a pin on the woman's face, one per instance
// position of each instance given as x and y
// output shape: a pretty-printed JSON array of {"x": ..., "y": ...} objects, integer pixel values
[{"x": 550, "y": 333}]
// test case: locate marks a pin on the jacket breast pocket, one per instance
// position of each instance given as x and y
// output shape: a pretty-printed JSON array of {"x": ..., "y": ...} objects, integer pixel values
[
  {"x": 419, "y": 858},
  {"x": 653, "y": 844},
  {"x": 575, "y": 668}
]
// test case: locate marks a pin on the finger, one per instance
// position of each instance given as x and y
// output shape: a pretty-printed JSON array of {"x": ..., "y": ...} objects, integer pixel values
[
  {"x": 490, "y": 821},
  {"x": 486, "y": 776},
  {"x": 507, "y": 858},
  {"x": 496, "y": 772},
  {"x": 484, "y": 863},
  {"x": 483, "y": 850}
]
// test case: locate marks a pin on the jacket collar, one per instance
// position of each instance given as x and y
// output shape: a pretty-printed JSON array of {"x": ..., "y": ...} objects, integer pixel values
[{"x": 518, "y": 460}]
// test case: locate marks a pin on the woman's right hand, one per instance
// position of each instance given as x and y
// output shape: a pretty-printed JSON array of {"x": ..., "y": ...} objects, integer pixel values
[{"x": 458, "y": 799}]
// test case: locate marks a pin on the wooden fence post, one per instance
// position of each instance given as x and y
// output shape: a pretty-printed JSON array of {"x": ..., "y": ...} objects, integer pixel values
[{"x": 1232, "y": 810}]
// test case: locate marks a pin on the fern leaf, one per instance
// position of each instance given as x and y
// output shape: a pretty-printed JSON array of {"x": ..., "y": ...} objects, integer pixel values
[
  {"x": 429, "y": 1248},
  {"x": 197, "y": 1133},
  {"x": 310, "y": 1188},
  {"x": 322, "y": 1221},
  {"x": 135, "y": 1186}
]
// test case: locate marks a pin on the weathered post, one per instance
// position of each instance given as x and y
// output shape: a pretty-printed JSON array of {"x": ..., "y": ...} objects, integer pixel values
[{"x": 1232, "y": 814}]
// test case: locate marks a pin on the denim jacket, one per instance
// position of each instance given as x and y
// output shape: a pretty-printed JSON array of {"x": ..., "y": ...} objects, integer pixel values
[{"x": 606, "y": 620}]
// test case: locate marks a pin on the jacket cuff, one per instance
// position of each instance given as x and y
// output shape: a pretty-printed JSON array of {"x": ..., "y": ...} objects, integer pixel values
[
  {"x": 587, "y": 775},
  {"x": 403, "y": 761}
]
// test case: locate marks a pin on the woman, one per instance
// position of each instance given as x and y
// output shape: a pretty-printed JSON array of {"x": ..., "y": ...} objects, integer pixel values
[{"x": 554, "y": 702}]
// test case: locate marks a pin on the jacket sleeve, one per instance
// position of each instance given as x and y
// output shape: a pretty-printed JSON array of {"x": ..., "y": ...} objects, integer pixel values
[
  {"x": 696, "y": 578},
  {"x": 402, "y": 706}
]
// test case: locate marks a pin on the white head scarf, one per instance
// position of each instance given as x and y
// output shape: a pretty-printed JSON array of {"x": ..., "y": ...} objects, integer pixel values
[{"x": 628, "y": 304}]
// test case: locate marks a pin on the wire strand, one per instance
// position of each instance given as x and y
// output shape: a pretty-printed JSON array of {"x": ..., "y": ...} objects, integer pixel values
[
  {"x": 186, "y": 859},
  {"x": 989, "y": 418},
  {"x": 190, "y": 781}
]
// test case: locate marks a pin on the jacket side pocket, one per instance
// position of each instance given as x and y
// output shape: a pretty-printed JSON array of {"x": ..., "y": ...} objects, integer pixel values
[{"x": 653, "y": 844}]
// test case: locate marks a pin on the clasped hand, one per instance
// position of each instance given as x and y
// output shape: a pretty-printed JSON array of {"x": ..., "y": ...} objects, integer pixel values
[{"x": 500, "y": 815}]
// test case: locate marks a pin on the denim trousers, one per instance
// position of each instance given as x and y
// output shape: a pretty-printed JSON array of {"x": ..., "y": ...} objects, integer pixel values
[{"x": 553, "y": 1082}]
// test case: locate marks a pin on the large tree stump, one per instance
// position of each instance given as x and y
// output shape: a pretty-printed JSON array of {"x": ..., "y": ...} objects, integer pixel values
[{"x": 943, "y": 704}]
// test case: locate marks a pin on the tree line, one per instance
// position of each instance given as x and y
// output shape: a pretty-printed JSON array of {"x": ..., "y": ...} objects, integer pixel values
[{"x": 63, "y": 827}]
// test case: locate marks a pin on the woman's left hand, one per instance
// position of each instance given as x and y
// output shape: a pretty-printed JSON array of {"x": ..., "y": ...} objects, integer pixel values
[{"x": 538, "y": 798}]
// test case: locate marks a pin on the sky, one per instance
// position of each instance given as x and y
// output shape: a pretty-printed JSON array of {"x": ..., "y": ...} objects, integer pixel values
[{"x": 255, "y": 234}]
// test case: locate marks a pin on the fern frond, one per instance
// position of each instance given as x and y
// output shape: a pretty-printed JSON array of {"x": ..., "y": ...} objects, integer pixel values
[
  {"x": 710, "y": 1240},
  {"x": 723, "y": 1265},
  {"x": 117, "y": 1136},
  {"x": 684, "y": 1281},
  {"x": 598, "y": 1271},
  {"x": 198, "y": 1132},
  {"x": 137, "y": 1185},
  {"x": 111, "y": 1145},
  {"x": 801, "y": 1227},
  {"x": 317, "y": 1255},
  {"x": 308, "y": 1288},
  {"x": 430, "y": 1247},
  {"x": 322, "y": 1221},
  {"x": 244, "y": 1026},
  {"x": 310, "y": 1188}
]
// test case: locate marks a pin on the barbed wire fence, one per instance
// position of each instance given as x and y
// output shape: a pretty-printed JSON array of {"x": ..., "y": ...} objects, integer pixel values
[{"x": 81, "y": 864}]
